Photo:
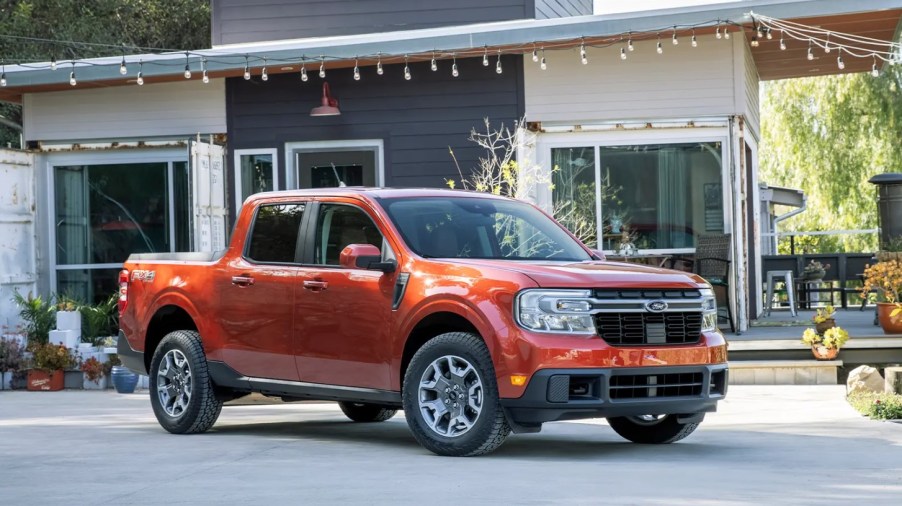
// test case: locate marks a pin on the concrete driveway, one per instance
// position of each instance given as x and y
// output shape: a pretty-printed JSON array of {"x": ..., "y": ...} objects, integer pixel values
[{"x": 776, "y": 444}]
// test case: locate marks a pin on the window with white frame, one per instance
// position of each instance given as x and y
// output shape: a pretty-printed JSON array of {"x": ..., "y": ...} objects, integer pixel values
[{"x": 256, "y": 170}]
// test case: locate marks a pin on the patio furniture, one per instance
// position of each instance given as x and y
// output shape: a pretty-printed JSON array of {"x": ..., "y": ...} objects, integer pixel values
[
  {"x": 712, "y": 262},
  {"x": 786, "y": 276}
]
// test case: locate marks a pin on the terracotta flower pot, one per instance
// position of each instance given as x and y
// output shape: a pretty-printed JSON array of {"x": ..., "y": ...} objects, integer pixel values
[
  {"x": 886, "y": 322},
  {"x": 50, "y": 381},
  {"x": 824, "y": 326},
  {"x": 821, "y": 352}
]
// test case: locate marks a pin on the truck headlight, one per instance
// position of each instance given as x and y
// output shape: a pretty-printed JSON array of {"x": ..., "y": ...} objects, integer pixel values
[
  {"x": 558, "y": 311},
  {"x": 709, "y": 310}
]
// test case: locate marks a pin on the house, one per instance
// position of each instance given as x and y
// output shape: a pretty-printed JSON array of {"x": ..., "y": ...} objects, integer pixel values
[{"x": 650, "y": 118}]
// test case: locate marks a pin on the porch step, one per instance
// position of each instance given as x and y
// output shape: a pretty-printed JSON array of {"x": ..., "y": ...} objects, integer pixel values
[{"x": 784, "y": 372}]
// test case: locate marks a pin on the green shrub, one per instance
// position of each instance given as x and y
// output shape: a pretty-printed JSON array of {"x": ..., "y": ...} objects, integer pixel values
[
  {"x": 878, "y": 406},
  {"x": 39, "y": 316}
]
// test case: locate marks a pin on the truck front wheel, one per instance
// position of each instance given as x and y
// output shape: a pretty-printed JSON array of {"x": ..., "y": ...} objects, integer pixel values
[
  {"x": 651, "y": 429},
  {"x": 451, "y": 397},
  {"x": 181, "y": 391},
  {"x": 362, "y": 412}
]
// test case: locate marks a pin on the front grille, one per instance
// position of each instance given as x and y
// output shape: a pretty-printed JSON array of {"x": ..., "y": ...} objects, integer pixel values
[
  {"x": 640, "y": 386},
  {"x": 625, "y": 329}
]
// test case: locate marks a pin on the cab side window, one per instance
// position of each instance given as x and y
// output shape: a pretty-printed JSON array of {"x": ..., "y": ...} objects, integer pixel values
[
  {"x": 274, "y": 235},
  {"x": 337, "y": 227}
]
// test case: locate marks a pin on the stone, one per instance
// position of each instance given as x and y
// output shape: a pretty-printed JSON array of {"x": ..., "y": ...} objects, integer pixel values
[
  {"x": 864, "y": 379},
  {"x": 893, "y": 380}
]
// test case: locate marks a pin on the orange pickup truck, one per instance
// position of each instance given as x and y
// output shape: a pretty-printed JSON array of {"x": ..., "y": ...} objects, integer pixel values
[{"x": 478, "y": 315}]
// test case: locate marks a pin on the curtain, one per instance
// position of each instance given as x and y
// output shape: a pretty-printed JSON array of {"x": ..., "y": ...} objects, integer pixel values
[{"x": 672, "y": 198}]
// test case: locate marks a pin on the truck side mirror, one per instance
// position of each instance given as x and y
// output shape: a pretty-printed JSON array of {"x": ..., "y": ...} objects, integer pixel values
[
  {"x": 364, "y": 256},
  {"x": 598, "y": 254}
]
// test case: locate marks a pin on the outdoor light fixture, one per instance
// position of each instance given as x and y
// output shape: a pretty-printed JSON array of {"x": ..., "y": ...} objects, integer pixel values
[{"x": 329, "y": 105}]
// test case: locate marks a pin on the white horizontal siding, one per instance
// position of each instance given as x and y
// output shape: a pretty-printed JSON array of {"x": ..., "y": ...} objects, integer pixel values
[
  {"x": 152, "y": 110},
  {"x": 684, "y": 82},
  {"x": 752, "y": 113}
]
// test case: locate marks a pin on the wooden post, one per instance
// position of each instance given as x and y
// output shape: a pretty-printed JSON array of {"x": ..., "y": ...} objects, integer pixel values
[{"x": 893, "y": 381}]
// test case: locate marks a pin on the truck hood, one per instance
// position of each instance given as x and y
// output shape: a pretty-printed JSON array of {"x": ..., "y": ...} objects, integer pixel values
[{"x": 594, "y": 274}]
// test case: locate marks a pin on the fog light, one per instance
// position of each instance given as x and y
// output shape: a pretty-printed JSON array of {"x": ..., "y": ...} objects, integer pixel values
[{"x": 518, "y": 380}]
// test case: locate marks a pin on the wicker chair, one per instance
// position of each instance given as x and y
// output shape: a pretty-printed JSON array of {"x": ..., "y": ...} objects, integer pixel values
[{"x": 712, "y": 262}]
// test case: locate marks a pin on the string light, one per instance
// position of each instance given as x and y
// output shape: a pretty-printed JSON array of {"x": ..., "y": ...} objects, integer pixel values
[
  {"x": 758, "y": 31},
  {"x": 3, "y": 76},
  {"x": 263, "y": 75},
  {"x": 322, "y": 67},
  {"x": 247, "y": 70},
  {"x": 543, "y": 65},
  {"x": 498, "y": 63},
  {"x": 356, "y": 70},
  {"x": 407, "y": 75},
  {"x": 874, "y": 71},
  {"x": 72, "y": 81},
  {"x": 839, "y": 63},
  {"x": 755, "y": 41},
  {"x": 187, "y": 67},
  {"x": 674, "y": 39},
  {"x": 782, "y": 44},
  {"x": 827, "y": 44},
  {"x": 454, "y": 71},
  {"x": 726, "y": 32},
  {"x": 432, "y": 64},
  {"x": 206, "y": 78},
  {"x": 629, "y": 44},
  {"x": 810, "y": 52},
  {"x": 582, "y": 53},
  {"x": 660, "y": 48},
  {"x": 694, "y": 40},
  {"x": 535, "y": 54},
  {"x": 379, "y": 69},
  {"x": 140, "y": 79},
  {"x": 122, "y": 68},
  {"x": 485, "y": 56},
  {"x": 717, "y": 33},
  {"x": 52, "y": 63},
  {"x": 769, "y": 34},
  {"x": 622, "y": 53},
  {"x": 304, "y": 72}
]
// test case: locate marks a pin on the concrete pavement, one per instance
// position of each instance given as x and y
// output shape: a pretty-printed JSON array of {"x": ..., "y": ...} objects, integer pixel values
[{"x": 767, "y": 444}]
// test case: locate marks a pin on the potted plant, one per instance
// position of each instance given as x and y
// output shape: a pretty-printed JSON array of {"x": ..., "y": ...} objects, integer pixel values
[
  {"x": 815, "y": 271},
  {"x": 67, "y": 315},
  {"x": 824, "y": 319},
  {"x": 12, "y": 359},
  {"x": 99, "y": 320},
  {"x": 95, "y": 377},
  {"x": 886, "y": 278},
  {"x": 825, "y": 346},
  {"x": 48, "y": 366},
  {"x": 39, "y": 316}
]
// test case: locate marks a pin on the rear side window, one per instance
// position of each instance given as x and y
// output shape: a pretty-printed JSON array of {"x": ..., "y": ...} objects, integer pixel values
[{"x": 274, "y": 236}]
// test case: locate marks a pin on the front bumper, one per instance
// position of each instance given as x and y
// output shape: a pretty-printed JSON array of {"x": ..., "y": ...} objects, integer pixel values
[
  {"x": 130, "y": 357},
  {"x": 570, "y": 394}
]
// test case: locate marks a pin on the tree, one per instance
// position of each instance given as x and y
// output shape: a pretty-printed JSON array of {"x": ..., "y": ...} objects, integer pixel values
[
  {"x": 127, "y": 25},
  {"x": 827, "y": 136}
]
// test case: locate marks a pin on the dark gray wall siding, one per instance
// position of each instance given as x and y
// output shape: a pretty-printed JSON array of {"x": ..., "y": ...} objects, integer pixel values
[
  {"x": 418, "y": 120},
  {"x": 546, "y": 9},
  {"x": 238, "y": 21}
]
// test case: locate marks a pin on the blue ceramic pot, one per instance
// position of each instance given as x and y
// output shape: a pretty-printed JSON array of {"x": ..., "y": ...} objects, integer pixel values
[{"x": 124, "y": 380}]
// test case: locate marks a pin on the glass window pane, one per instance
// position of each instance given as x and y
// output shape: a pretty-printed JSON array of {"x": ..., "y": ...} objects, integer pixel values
[
  {"x": 106, "y": 212},
  {"x": 182, "y": 202},
  {"x": 337, "y": 227},
  {"x": 275, "y": 234},
  {"x": 256, "y": 174},
  {"x": 89, "y": 285},
  {"x": 574, "y": 194},
  {"x": 666, "y": 194}
]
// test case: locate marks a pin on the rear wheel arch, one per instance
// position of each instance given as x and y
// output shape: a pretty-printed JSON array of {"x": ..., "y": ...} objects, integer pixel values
[{"x": 166, "y": 319}]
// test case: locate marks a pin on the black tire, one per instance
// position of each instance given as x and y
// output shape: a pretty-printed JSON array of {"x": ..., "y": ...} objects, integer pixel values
[
  {"x": 487, "y": 428},
  {"x": 362, "y": 412},
  {"x": 663, "y": 430},
  {"x": 202, "y": 408}
]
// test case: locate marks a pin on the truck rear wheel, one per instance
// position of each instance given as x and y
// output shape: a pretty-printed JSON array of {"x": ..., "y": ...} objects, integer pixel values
[
  {"x": 362, "y": 412},
  {"x": 651, "y": 429},
  {"x": 181, "y": 391},
  {"x": 451, "y": 397}
]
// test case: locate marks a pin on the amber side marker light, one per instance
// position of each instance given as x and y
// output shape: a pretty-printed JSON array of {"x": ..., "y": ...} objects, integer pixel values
[{"x": 518, "y": 380}]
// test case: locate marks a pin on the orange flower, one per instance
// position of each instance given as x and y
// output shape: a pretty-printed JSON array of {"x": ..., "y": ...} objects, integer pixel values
[{"x": 885, "y": 277}]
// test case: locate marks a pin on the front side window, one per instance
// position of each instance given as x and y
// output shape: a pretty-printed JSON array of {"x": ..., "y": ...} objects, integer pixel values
[
  {"x": 274, "y": 235},
  {"x": 339, "y": 225},
  {"x": 467, "y": 227}
]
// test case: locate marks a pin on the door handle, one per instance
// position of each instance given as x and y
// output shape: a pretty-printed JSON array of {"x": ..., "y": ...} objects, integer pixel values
[
  {"x": 316, "y": 286},
  {"x": 242, "y": 280}
]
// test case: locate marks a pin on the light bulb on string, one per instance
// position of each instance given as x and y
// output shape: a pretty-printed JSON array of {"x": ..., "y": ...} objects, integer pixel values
[
  {"x": 122, "y": 68},
  {"x": 407, "y": 75},
  {"x": 542, "y": 63},
  {"x": 810, "y": 52},
  {"x": 322, "y": 67},
  {"x": 674, "y": 39},
  {"x": 432, "y": 64},
  {"x": 622, "y": 53},
  {"x": 758, "y": 31},
  {"x": 356, "y": 70},
  {"x": 72, "y": 81},
  {"x": 660, "y": 48},
  {"x": 140, "y": 79},
  {"x": 379, "y": 69},
  {"x": 629, "y": 45},
  {"x": 582, "y": 53},
  {"x": 304, "y": 72},
  {"x": 454, "y": 72},
  {"x": 874, "y": 71},
  {"x": 839, "y": 62},
  {"x": 782, "y": 42},
  {"x": 827, "y": 44},
  {"x": 769, "y": 33},
  {"x": 206, "y": 78},
  {"x": 187, "y": 67},
  {"x": 535, "y": 54},
  {"x": 3, "y": 76},
  {"x": 755, "y": 42},
  {"x": 498, "y": 63},
  {"x": 263, "y": 74},
  {"x": 726, "y": 33},
  {"x": 247, "y": 70},
  {"x": 485, "y": 56},
  {"x": 52, "y": 63},
  {"x": 717, "y": 33},
  {"x": 694, "y": 40}
]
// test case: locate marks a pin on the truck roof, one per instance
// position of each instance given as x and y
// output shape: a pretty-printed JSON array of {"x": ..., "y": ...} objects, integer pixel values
[{"x": 372, "y": 193}]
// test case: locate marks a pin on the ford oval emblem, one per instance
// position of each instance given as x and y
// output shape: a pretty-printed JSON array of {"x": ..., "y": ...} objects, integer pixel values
[{"x": 656, "y": 306}]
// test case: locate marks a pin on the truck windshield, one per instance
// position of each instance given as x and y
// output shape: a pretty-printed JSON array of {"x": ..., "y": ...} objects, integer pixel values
[{"x": 470, "y": 227}]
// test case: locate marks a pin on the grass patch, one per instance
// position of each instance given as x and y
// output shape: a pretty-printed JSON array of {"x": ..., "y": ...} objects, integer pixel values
[{"x": 878, "y": 406}]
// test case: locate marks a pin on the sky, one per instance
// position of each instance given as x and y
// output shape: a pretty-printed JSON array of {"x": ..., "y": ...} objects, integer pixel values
[{"x": 617, "y": 6}]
